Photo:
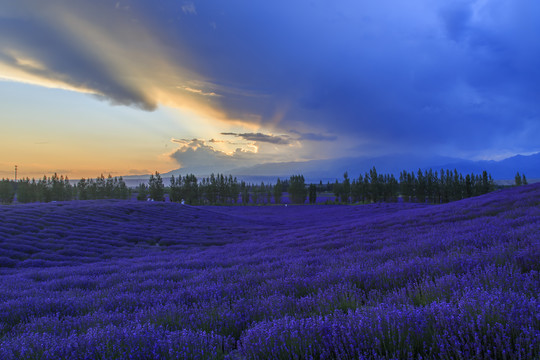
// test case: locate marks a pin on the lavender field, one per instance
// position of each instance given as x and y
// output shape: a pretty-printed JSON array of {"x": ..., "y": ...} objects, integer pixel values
[{"x": 122, "y": 279}]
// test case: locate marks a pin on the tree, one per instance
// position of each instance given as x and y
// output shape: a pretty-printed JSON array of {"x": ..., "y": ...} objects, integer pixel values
[
  {"x": 393, "y": 188},
  {"x": 337, "y": 188},
  {"x": 278, "y": 192},
  {"x": 421, "y": 187},
  {"x": 374, "y": 186},
  {"x": 367, "y": 188},
  {"x": 100, "y": 187},
  {"x": 175, "y": 189},
  {"x": 121, "y": 189},
  {"x": 517, "y": 179},
  {"x": 7, "y": 191},
  {"x": 468, "y": 186},
  {"x": 244, "y": 190},
  {"x": 156, "y": 190},
  {"x": 142, "y": 192},
  {"x": 346, "y": 188},
  {"x": 26, "y": 191},
  {"x": 405, "y": 186},
  {"x": 297, "y": 189},
  {"x": 523, "y": 179},
  {"x": 485, "y": 182},
  {"x": 109, "y": 187},
  {"x": 186, "y": 188},
  {"x": 312, "y": 193},
  {"x": 235, "y": 190}
]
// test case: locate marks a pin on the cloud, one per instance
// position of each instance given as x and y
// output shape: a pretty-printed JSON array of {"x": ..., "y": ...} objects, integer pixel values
[
  {"x": 189, "y": 8},
  {"x": 259, "y": 137},
  {"x": 109, "y": 50},
  {"x": 200, "y": 92},
  {"x": 419, "y": 75},
  {"x": 139, "y": 172},
  {"x": 197, "y": 156},
  {"x": 456, "y": 19},
  {"x": 63, "y": 47},
  {"x": 314, "y": 137}
]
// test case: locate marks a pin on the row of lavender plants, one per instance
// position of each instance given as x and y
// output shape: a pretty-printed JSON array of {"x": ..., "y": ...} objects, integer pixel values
[{"x": 164, "y": 281}]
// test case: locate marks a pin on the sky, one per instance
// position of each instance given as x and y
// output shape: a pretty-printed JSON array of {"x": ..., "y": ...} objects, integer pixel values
[{"x": 133, "y": 87}]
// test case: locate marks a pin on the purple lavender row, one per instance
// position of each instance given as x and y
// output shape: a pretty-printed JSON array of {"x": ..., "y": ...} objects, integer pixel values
[{"x": 380, "y": 281}]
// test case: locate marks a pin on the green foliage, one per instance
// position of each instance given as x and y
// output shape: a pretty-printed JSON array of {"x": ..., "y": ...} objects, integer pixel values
[
  {"x": 7, "y": 191},
  {"x": 142, "y": 192},
  {"x": 297, "y": 189},
  {"x": 156, "y": 189},
  {"x": 184, "y": 189},
  {"x": 312, "y": 193},
  {"x": 245, "y": 193},
  {"x": 517, "y": 179},
  {"x": 26, "y": 191},
  {"x": 55, "y": 188},
  {"x": 424, "y": 186},
  {"x": 346, "y": 188},
  {"x": 102, "y": 188},
  {"x": 278, "y": 191}
]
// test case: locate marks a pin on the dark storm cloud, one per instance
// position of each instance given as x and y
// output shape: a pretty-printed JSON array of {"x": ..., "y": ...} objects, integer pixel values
[
  {"x": 63, "y": 56},
  {"x": 259, "y": 137},
  {"x": 418, "y": 75}
]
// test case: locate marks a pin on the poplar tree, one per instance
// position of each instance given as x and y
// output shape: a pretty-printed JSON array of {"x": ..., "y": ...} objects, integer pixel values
[
  {"x": 7, "y": 191},
  {"x": 142, "y": 192},
  {"x": 156, "y": 189},
  {"x": 421, "y": 187},
  {"x": 312, "y": 193},
  {"x": 374, "y": 185},
  {"x": 278, "y": 191},
  {"x": 346, "y": 188},
  {"x": 244, "y": 192},
  {"x": 517, "y": 179},
  {"x": 297, "y": 189}
]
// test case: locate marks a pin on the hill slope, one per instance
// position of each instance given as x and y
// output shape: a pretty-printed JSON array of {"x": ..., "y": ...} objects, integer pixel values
[{"x": 374, "y": 281}]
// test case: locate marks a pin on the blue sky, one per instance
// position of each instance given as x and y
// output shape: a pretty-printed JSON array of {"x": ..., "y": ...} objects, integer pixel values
[{"x": 130, "y": 87}]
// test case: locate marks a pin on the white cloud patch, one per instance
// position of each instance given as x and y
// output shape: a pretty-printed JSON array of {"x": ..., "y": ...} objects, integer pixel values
[
  {"x": 197, "y": 156},
  {"x": 198, "y": 91},
  {"x": 189, "y": 8}
]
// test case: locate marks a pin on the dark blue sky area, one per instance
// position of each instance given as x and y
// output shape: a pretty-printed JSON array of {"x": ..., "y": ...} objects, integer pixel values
[{"x": 457, "y": 78}]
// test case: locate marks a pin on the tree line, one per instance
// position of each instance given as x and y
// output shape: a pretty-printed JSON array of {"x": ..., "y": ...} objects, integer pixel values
[
  {"x": 520, "y": 179},
  {"x": 59, "y": 188},
  {"x": 212, "y": 190},
  {"x": 421, "y": 186}
]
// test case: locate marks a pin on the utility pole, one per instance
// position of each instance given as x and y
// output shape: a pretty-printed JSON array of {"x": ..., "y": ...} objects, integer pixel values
[{"x": 15, "y": 173}]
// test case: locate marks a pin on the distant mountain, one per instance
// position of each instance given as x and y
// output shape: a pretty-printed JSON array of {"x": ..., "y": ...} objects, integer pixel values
[
  {"x": 332, "y": 169},
  {"x": 504, "y": 169},
  {"x": 329, "y": 170}
]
